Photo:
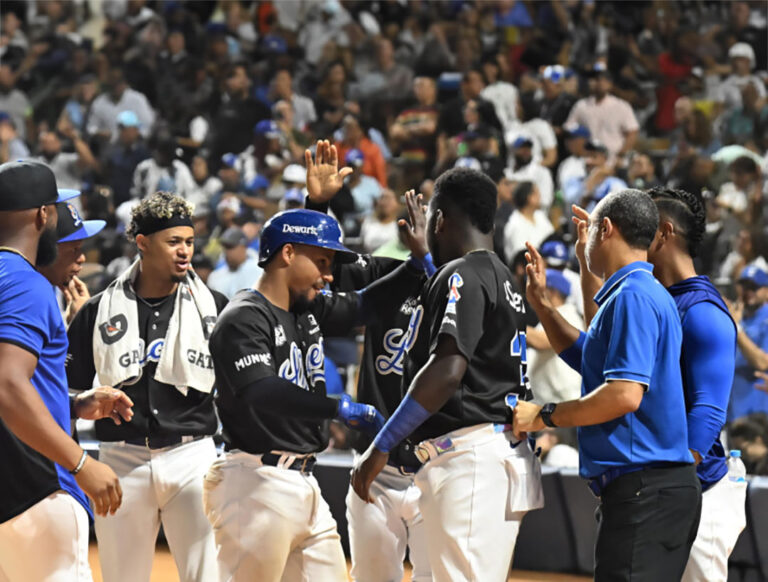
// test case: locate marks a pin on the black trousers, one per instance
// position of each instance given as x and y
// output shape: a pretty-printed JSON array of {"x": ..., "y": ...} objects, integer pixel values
[{"x": 647, "y": 522}]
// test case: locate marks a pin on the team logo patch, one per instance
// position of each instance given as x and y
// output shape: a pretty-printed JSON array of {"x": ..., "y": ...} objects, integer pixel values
[
  {"x": 114, "y": 329},
  {"x": 279, "y": 335},
  {"x": 75, "y": 215},
  {"x": 454, "y": 296}
]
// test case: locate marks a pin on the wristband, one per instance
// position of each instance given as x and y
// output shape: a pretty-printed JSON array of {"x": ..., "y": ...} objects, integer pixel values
[
  {"x": 80, "y": 464},
  {"x": 407, "y": 418},
  {"x": 424, "y": 264}
]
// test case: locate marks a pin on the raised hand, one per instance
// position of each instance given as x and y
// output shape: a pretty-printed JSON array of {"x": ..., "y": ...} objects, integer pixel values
[
  {"x": 324, "y": 178},
  {"x": 75, "y": 296},
  {"x": 359, "y": 416},
  {"x": 581, "y": 220},
  {"x": 415, "y": 232},
  {"x": 536, "y": 280}
]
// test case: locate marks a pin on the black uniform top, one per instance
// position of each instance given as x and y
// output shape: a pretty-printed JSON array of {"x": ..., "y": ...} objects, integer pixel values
[
  {"x": 158, "y": 409},
  {"x": 473, "y": 299},
  {"x": 254, "y": 339},
  {"x": 387, "y": 340}
]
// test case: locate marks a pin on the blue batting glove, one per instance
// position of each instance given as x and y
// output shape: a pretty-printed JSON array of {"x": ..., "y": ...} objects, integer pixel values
[{"x": 359, "y": 416}]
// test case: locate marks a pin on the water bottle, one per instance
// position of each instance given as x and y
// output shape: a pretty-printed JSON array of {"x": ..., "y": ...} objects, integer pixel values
[{"x": 736, "y": 471}]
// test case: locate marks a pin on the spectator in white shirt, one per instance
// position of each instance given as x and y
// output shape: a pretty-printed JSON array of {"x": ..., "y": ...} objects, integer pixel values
[
  {"x": 573, "y": 169},
  {"x": 162, "y": 172},
  {"x": 555, "y": 255},
  {"x": 728, "y": 93},
  {"x": 527, "y": 169},
  {"x": 527, "y": 222},
  {"x": 119, "y": 97},
  {"x": 381, "y": 227},
  {"x": 503, "y": 95},
  {"x": 610, "y": 119},
  {"x": 303, "y": 107},
  {"x": 538, "y": 130}
]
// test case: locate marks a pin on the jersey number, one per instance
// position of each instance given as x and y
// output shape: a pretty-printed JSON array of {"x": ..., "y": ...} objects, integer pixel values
[{"x": 517, "y": 348}]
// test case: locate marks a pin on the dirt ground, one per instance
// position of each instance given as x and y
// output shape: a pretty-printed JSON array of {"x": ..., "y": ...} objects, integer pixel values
[{"x": 164, "y": 570}]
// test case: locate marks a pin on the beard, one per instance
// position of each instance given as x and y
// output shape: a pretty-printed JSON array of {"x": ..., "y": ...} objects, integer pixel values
[
  {"x": 522, "y": 161},
  {"x": 300, "y": 303},
  {"x": 47, "y": 248}
]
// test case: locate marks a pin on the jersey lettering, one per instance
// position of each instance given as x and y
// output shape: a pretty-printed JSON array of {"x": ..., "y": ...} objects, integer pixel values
[
  {"x": 315, "y": 363},
  {"x": 515, "y": 299},
  {"x": 292, "y": 369},
  {"x": 518, "y": 349},
  {"x": 397, "y": 343},
  {"x": 251, "y": 359}
]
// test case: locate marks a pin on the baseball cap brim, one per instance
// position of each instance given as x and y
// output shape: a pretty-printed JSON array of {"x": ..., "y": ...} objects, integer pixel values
[
  {"x": 87, "y": 230},
  {"x": 343, "y": 254},
  {"x": 66, "y": 194}
]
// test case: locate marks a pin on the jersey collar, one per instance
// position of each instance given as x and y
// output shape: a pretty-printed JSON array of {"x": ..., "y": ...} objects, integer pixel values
[{"x": 613, "y": 281}]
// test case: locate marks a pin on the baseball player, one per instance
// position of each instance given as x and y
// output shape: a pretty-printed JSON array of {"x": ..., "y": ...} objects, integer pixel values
[
  {"x": 468, "y": 361},
  {"x": 708, "y": 364},
  {"x": 43, "y": 510},
  {"x": 380, "y": 533},
  {"x": 270, "y": 520},
  {"x": 147, "y": 334}
]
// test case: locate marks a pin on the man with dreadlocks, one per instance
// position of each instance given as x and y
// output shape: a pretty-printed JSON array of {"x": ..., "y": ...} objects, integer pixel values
[
  {"x": 147, "y": 334},
  {"x": 708, "y": 363}
]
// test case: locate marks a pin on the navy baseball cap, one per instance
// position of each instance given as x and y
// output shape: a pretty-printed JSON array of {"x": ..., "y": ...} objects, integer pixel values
[
  {"x": 72, "y": 227},
  {"x": 557, "y": 281},
  {"x": 594, "y": 145},
  {"x": 755, "y": 275},
  {"x": 233, "y": 237},
  {"x": 355, "y": 158},
  {"x": 267, "y": 128},
  {"x": 554, "y": 252},
  {"x": 305, "y": 227},
  {"x": 26, "y": 184}
]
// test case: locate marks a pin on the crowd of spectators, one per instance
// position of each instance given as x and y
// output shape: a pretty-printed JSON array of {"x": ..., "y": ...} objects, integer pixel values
[{"x": 560, "y": 102}]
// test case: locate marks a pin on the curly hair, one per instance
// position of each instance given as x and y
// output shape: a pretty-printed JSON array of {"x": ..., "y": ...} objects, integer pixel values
[
  {"x": 686, "y": 211},
  {"x": 158, "y": 206}
]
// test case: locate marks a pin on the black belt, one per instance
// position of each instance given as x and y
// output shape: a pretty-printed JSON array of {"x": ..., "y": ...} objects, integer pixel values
[
  {"x": 599, "y": 483},
  {"x": 304, "y": 465},
  {"x": 160, "y": 442}
]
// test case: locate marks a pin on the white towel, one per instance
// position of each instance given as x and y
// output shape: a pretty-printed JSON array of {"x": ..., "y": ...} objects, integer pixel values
[{"x": 116, "y": 333}]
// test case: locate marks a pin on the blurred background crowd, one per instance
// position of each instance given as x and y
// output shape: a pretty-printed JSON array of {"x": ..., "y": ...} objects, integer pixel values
[{"x": 560, "y": 102}]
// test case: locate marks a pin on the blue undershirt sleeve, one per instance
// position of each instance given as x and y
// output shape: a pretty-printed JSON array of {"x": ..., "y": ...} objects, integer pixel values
[
  {"x": 709, "y": 352},
  {"x": 572, "y": 355}
]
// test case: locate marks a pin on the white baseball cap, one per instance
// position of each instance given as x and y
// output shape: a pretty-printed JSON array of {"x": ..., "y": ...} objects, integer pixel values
[
  {"x": 295, "y": 174},
  {"x": 742, "y": 49}
]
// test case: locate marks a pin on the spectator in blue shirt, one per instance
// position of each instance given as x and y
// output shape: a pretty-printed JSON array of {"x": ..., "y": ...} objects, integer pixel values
[
  {"x": 633, "y": 438},
  {"x": 240, "y": 269},
  {"x": 751, "y": 314},
  {"x": 708, "y": 360}
]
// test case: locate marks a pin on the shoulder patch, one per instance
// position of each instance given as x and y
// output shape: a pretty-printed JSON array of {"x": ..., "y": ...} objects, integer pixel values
[{"x": 454, "y": 283}]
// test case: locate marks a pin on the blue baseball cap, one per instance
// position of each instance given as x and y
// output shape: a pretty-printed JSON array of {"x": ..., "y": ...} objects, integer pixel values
[
  {"x": 274, "y": 45},
  {"x": 294, "y": 195},
  {"x": 522, "y": 142},
  {"x": 554, "y": 73},
  {"x": 755, "y": 275},
  {"x": 305, "y": 227},
  {"x": 577, "y": 131},
  {"x": 354, "y": 157},
  {"x": 557, "y": 281},
  {"x": 72, "y": 227},
  {"x": 554, "y": 252},
  {"x": 267, "y": 128},
  {"x": 229, "y": 160},
  {"x": 128, "y": 119}
]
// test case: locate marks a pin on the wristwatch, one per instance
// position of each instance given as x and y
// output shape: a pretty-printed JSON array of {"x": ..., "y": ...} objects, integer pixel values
[{"x": 546, "y": 414}]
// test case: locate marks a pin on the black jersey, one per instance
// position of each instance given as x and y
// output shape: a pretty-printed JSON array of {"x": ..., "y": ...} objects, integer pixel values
[
  {"x": 254, "y": 339},
  {"x": 386, "y": 343},
  {"x": 473, "y": 299},
  {"x": 158, "y": 409}
]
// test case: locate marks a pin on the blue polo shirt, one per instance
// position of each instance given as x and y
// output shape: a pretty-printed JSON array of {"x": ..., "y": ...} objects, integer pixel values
[
  {"x": 30, "y": 319},
  {"x": 745, "y": 398},
  {"x": 635, "y": 336}
]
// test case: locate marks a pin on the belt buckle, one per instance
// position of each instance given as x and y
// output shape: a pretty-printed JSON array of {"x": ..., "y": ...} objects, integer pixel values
[{"x": 422, "y": 454}]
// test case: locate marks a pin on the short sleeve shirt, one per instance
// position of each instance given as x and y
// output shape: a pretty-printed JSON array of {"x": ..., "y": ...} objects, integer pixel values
[
  {"x": 30, "y": 319},
  {"x": 635, "y": 336}
]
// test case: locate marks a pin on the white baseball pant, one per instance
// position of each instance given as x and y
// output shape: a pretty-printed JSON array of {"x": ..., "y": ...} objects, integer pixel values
[
  {"x": 475, "y": 490},
  {"x": 271, "y": 523},
  {"x": 723, "y": 517},
  {"x": 46, "y": 543},
  {"x": 159, "y": 486},
  {"x": 379, "y": 532}
]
